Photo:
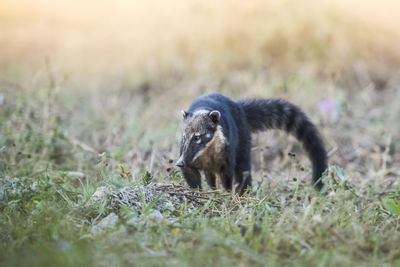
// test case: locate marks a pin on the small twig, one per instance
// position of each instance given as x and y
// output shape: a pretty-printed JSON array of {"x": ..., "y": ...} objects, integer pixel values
[
  {"x": 262, "y": 200},
  {"x": 331, "y": 152},
  {"x": 187, "y": 195},
  {"x": 84, "y": 146},
  {"x": 151, "y": 160},
  {"x": 209, "y": 192},
  {"x": 216, "y": 211},
  {"x": 386, "y": 193},
  {"x": 191, "y": 197}
]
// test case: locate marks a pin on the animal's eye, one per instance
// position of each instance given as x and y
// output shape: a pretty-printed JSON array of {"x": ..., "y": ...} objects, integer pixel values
[{"x": 197, "y": 139}]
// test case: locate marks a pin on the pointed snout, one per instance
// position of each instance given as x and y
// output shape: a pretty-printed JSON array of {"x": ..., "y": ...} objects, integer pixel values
[{"x": 180, "y": 162}]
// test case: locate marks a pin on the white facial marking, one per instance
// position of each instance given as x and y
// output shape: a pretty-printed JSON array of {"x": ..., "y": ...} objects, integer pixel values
[
  {"x": 198, "y": 154},
  {"x": 218, "y": 137}
]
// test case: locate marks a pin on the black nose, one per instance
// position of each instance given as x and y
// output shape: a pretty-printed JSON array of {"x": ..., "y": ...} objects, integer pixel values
[{"x": 180, "y": 163}]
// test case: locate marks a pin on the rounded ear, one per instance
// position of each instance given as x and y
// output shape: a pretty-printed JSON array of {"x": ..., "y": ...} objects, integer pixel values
[
  {"x": 215, "y": 116},
  {"x": 184, "y": 114}
]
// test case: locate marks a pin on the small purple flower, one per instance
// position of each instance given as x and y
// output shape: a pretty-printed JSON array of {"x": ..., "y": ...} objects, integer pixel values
[{"x": 328, "y": 105}]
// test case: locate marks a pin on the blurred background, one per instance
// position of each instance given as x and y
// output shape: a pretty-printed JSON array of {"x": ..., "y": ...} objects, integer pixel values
[
  {"x": 79, "y": 78},
  {"x": 165, "y": 37}
]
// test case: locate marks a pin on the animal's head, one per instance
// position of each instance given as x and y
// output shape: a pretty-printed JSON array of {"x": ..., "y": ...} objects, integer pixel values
[{"x": 201, "y": 132}]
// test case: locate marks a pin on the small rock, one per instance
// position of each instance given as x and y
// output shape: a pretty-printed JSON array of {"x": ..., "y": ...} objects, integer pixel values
[
  {"x": 100, "y": 194},
  {"x": 106, "y": 224}
]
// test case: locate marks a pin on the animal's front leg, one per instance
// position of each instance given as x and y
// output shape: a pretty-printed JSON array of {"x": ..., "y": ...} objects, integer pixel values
[
  {"x": 227, "y": 177},
  {"x": 243, "y": 176},
  {"x": 192, "y": 177},
  {"x": 211, "y": 179}
]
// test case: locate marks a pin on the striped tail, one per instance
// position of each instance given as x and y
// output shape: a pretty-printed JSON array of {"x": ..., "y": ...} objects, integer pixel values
[{"x": 264, "y": 114}]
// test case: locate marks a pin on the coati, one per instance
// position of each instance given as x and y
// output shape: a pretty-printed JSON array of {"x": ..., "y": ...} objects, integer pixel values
[{"x": 216, "y": 138}]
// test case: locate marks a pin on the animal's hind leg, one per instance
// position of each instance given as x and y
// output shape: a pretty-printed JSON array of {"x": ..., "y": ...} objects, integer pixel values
[
  {"x": 245, "y": 181},
  {"x": 192, "y": 177},
  {"x": 243, "y": 176},
  {"x": 243, "y": 163}
]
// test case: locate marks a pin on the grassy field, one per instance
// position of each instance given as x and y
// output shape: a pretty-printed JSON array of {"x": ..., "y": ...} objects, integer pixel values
[{"x": 90, "y": 110}]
